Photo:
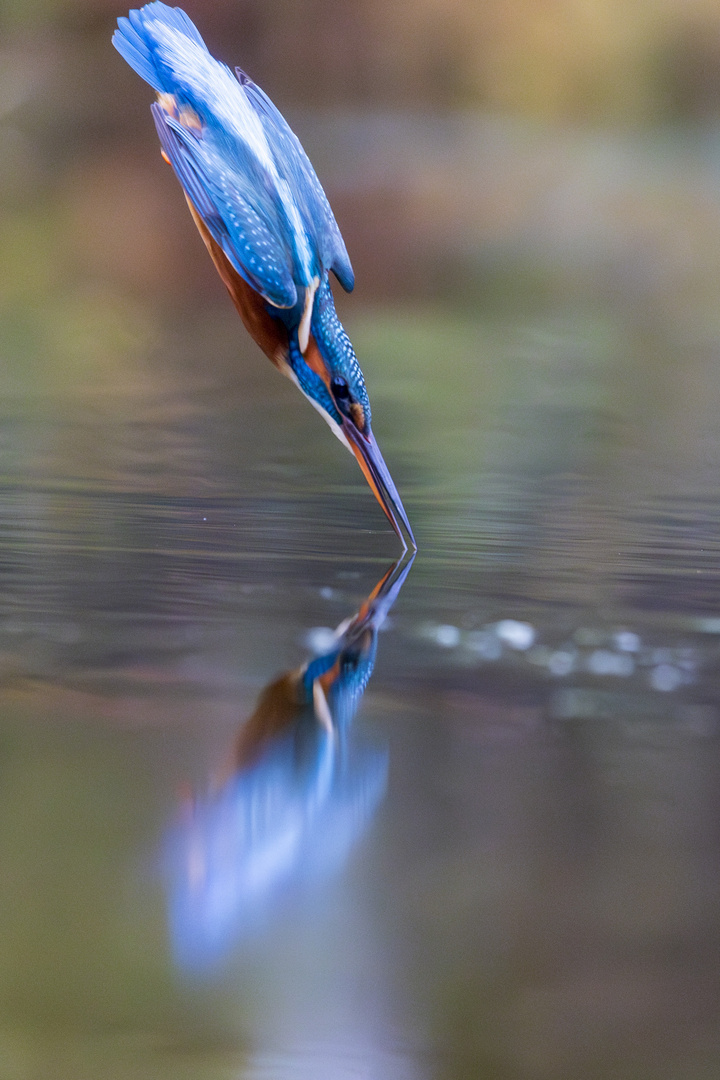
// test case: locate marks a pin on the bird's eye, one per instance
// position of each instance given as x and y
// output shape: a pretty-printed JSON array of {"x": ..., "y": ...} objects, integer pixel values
[{"x": 340, "y": 389}]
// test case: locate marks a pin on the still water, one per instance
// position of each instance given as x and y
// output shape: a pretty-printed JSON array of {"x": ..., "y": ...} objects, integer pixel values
[{"x": 474, "y": 832}]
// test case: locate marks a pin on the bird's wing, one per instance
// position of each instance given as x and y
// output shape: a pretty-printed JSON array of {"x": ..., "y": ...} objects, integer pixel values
[
  {"x": 218, "y": 147},
  {"x": 294, "y": 165},
  {"x": 242, "y": 228},
  {"x": 270, "y": 333}
]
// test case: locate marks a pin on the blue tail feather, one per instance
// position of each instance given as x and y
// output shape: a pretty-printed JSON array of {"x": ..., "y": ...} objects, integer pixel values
[
  {"x": 136, "y": 45},
  {"x": 173, "y": 17},
  {"x": 133, "y": 49}
]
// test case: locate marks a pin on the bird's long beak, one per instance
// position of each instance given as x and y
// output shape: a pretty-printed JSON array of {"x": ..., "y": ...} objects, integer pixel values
[{"x": 371, "y": 462}]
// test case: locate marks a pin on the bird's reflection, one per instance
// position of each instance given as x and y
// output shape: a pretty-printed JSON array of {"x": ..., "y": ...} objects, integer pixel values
[{"x": 299, "y": 790}]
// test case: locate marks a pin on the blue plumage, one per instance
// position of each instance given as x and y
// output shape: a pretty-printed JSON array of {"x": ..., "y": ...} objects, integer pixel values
[
  {"x": 265, "y": 220},
  {"x": 301, "y": 790},
  {"x": 271, "y": 216}
]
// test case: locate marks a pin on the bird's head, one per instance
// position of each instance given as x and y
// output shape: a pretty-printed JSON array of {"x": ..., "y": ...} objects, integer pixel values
[{"x": 329, "y": 375}]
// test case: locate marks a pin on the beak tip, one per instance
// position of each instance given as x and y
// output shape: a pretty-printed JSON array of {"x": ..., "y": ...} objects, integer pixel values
[{"x": 381, "y": 483}]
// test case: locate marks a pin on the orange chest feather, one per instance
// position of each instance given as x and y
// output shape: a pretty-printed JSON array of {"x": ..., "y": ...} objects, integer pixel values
[{"x": 269, "y": 333}]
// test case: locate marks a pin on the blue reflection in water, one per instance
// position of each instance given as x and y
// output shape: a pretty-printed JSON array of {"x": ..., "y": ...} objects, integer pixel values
[{"x": 299, "y": 793}]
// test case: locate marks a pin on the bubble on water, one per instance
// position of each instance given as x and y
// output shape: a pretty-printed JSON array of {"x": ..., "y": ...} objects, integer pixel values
[
  {"x": 627, "y": 641},
  {"x": 562, "y": 662},
  {"x": 446, "y": 636},
  {"x": 484, "y": 643},
  {"x": 665, "y": 677},
  {"x": 518, "y": 635},
  {"x": 605, "y": 662},
  {"x": 319, "y": 639}
]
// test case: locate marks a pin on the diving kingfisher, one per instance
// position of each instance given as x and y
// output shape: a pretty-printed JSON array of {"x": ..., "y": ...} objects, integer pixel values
[{"x": 265, "y": 220}]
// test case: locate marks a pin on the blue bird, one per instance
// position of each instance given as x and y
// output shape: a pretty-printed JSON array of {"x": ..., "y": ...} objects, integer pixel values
[{"x": 265, "y": 220}]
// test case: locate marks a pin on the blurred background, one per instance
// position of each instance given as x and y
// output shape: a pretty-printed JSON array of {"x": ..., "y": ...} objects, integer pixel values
[
  {"x": 475, "y": 154},
  {"x": 516, "y": 183},
  {"x": 530, "y": 195}
]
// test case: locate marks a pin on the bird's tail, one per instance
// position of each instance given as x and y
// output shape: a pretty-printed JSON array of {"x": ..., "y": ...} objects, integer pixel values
[{"x": 135, "y": 39}]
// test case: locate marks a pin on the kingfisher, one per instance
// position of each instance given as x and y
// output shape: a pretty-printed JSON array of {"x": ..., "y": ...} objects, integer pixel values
[{"x": 265, "y": 220}]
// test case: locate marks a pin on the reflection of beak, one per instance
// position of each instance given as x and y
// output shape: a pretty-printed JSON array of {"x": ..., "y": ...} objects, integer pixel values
[
  {"x": 381, "y": 599},
  {"x": 371, "y": 462}
]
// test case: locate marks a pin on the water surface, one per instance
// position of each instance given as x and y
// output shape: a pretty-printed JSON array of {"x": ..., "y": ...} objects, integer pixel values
[
  {"x": 508, "y": 865},
  {"x": 533, "y": 890}
]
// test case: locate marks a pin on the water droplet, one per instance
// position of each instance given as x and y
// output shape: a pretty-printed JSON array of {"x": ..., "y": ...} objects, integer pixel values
[
  {"x": 562, "y": 662},
  {"x": 627, "y": 641},
  {"x": 518, "y": 635},
  {"x": 319, "y": 639},
  {"x": 447, "y": 636},
  {"x": 484, "y": 643},
  {"x": 605, "y": 662},
  {"x": 665, "y": 677}
]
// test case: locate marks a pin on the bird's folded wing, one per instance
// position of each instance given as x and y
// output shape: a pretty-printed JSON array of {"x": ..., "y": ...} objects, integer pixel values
[
  {"x": 242, "y": 231},
  {"x": 294, "y": 165}
]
